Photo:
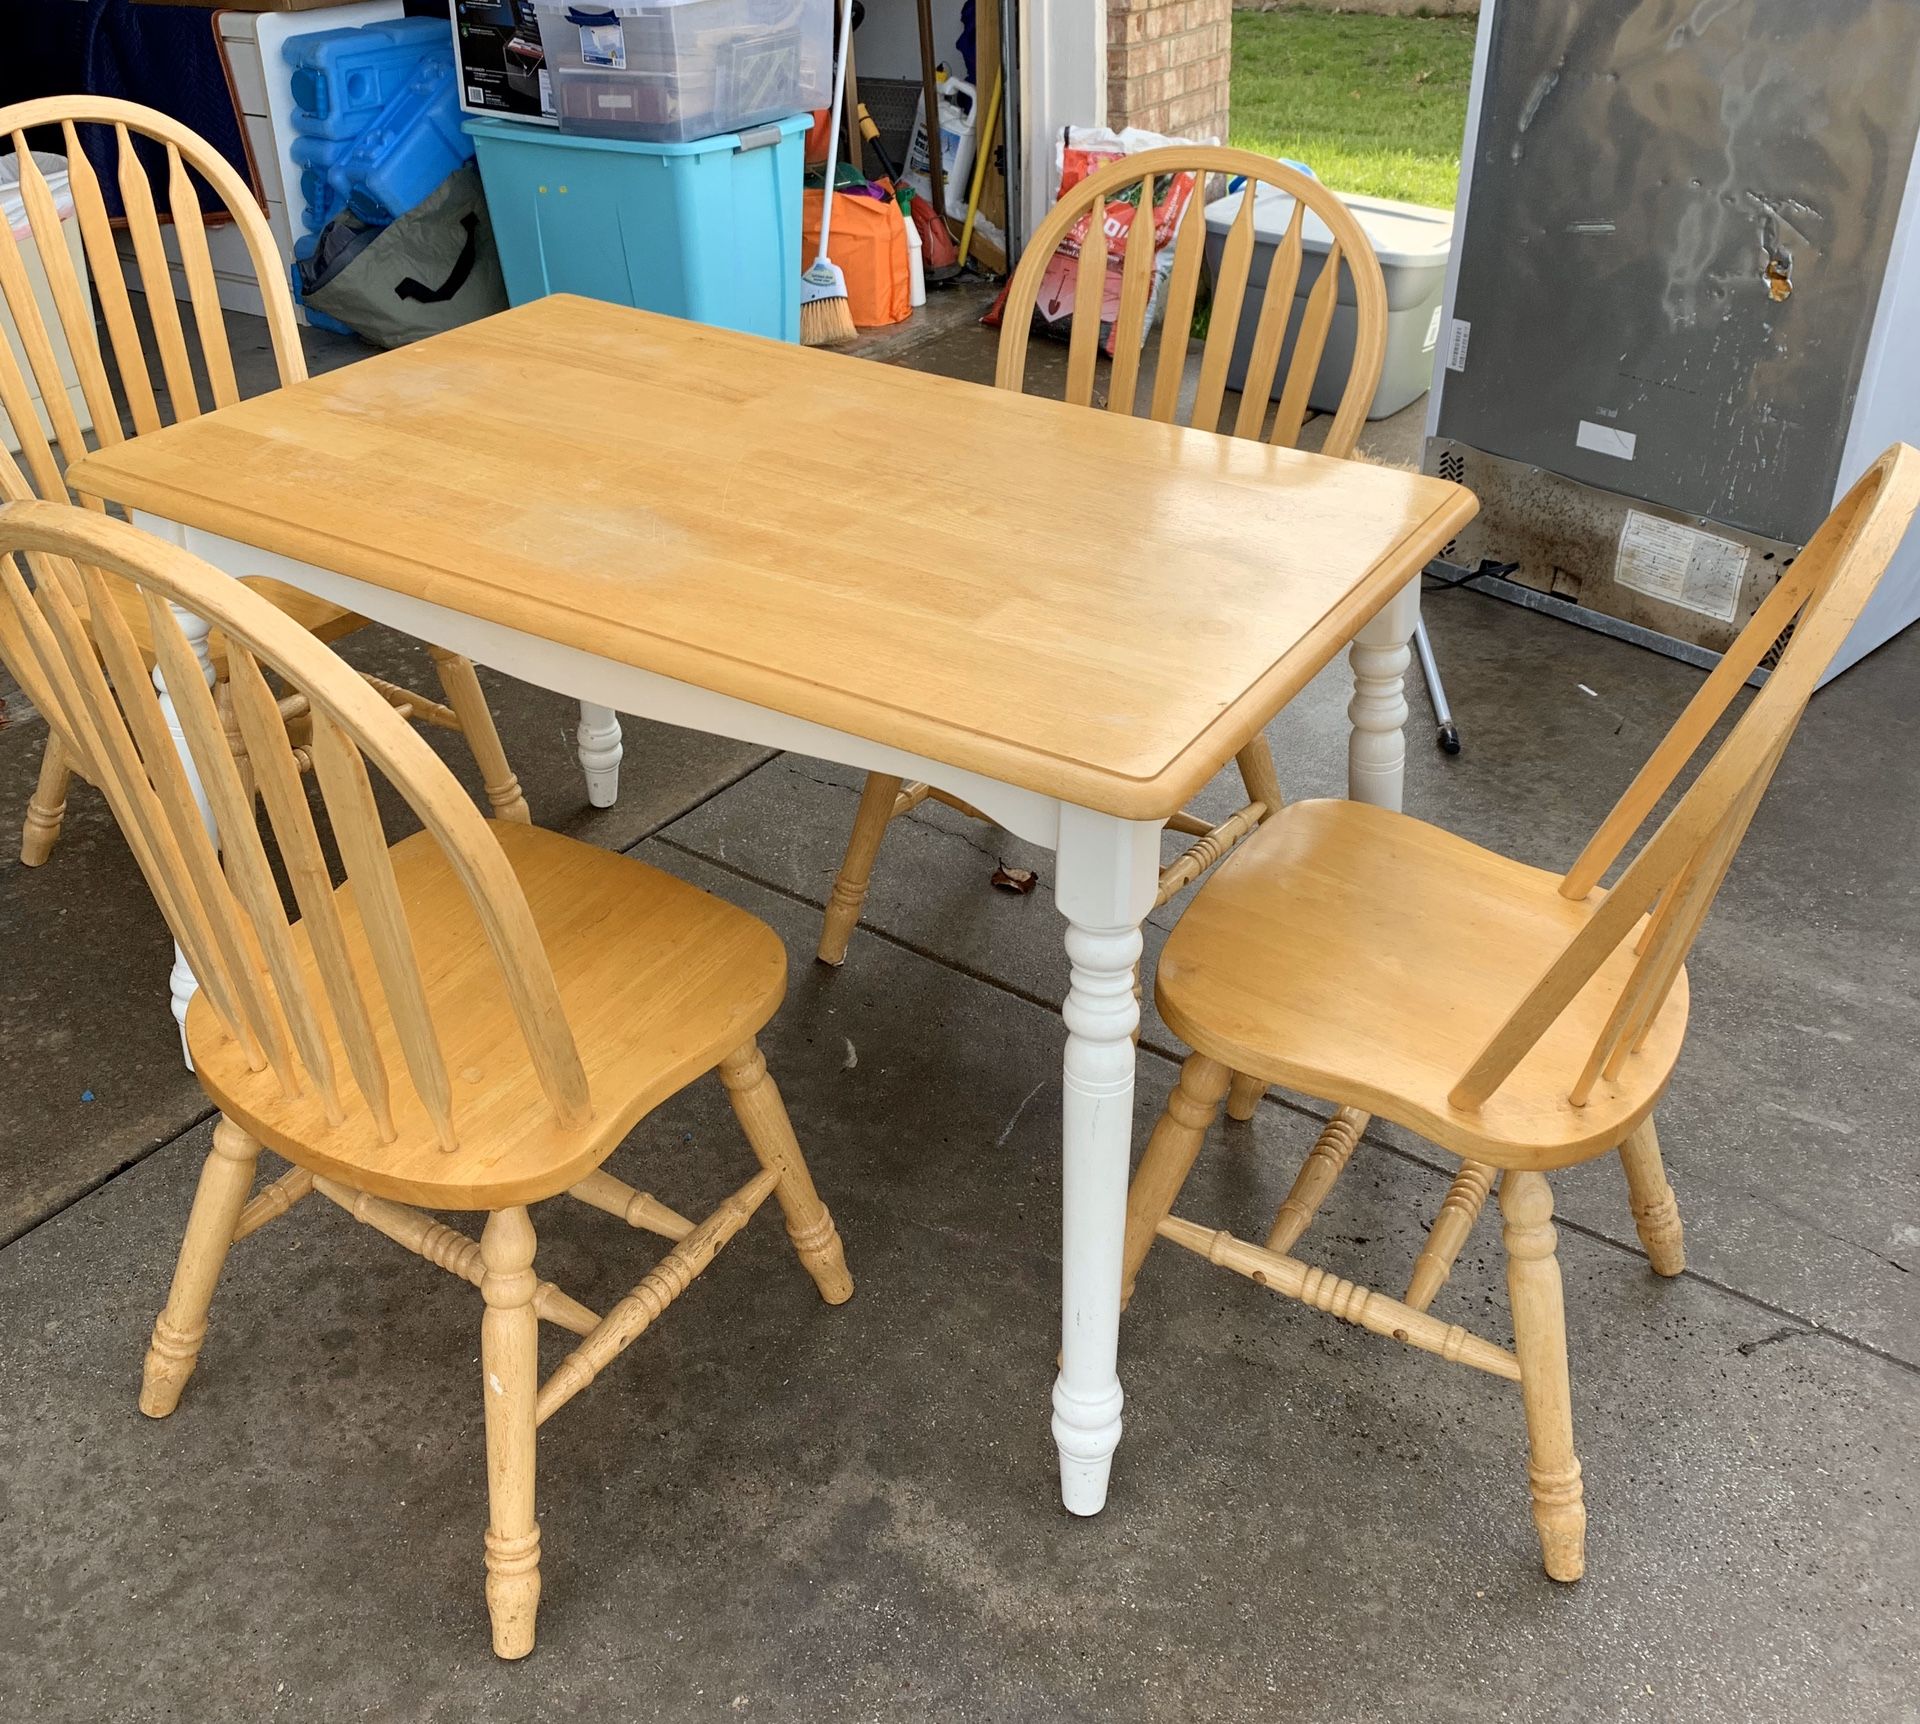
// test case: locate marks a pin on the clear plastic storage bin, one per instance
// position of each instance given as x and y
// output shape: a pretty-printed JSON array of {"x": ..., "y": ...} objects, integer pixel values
[{"x": 692, "y": 69}]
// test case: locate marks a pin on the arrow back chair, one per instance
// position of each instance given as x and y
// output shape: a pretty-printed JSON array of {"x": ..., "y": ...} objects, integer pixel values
[
  {"x": 474, "y": 1020},
  {"x": 46, "y": 292},
  {"x": 1521, "y": 1020},
  {"x": 1350, "y": 257}
]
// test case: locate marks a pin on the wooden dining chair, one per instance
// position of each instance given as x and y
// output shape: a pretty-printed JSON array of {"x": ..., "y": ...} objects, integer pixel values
[
  {"x": 1521, "y": 1020},
  {"x": 473, "y": 1020},
  {"x": 1349, "y": 258},
  {"x": 51, "y": 437}
]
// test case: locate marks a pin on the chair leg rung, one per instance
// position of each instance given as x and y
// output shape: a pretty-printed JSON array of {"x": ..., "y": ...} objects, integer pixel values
[
  {"x": 639, "y": 1209},
  {"x": 273, "y": 1201},
  {"x": 1346, "y": 1300},
  {"x": 445, "y": 1248},
  {"x": 947, "y": 798},
  {"x": 1331, "y": 1152},
  {"x": 1196, "y": 859},
  {"x": 662, "y": 1284},
  {"x": 418, "y": 707}
]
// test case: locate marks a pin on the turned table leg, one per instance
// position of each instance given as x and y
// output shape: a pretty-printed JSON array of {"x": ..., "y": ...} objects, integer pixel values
[
  {"x": 1107, "y": 877},
  {"x": 1377, "y": 749},
  {"x": 598, "y": 739}
]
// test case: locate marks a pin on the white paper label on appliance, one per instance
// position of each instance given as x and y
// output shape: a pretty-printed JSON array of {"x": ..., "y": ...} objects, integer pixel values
[
  {"x": 1606, "y": 440},
  {"x": 1682, "y": 565},
  {"x": 1457, "y": 338}
]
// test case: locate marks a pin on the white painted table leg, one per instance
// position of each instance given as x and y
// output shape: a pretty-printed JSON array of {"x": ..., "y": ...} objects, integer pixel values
[
  {"x": 1377, "y": 749},
  {"x": 600, "y": 751},
  {"x": 1107, "y": 872},
  {"x": 181, "y": 984}
]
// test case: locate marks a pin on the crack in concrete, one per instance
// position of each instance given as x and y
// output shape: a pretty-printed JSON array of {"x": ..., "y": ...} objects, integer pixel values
[{"x": 1790, "y": 1332}]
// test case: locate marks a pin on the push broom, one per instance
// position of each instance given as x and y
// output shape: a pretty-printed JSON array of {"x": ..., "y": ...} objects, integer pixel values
[{"x": 826, "y": 319}]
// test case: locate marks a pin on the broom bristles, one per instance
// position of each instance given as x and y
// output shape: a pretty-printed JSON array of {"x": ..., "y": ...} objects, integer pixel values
[{"x": 826, "y": 322}]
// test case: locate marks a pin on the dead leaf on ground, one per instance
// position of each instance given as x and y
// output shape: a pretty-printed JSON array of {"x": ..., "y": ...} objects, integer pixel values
[{"x": 1019, "y": 880}]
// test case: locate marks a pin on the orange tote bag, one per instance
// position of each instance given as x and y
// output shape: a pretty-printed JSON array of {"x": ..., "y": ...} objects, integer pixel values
[{"x": 869, "y": 244}]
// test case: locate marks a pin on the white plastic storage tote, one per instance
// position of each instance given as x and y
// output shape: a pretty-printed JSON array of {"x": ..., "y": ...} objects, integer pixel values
[{"x": 1412, "y": 243}]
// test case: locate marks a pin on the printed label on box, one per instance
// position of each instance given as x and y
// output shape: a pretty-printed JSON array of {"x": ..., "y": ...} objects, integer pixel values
[
  {"x": 1682, "y": 565},
  {"x": 604, "y": 45}
]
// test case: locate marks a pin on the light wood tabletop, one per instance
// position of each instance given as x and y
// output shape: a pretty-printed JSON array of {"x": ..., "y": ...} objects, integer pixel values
[{"x": 801, "y": 531}]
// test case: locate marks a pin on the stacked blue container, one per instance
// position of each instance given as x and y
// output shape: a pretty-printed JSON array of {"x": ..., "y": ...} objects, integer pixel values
[{"x": 377, "y": 111}]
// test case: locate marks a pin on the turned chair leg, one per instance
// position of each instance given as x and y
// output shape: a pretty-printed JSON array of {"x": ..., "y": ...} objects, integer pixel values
[
  {"x": 763, "y": 1117},
  {"x": 510, "y": 1376},
  {"x": 48, "y": 806},
  {"x": 1656, "y": 1212},
  {"x": 1244, "y": 1097},
  {"x": 856, "y": 867},
  {"x": 1540, "y": 1345},
  {"x": 1459, "y": 1210},
  {"x": 469, "y": 703},
  {"x": 1171, "y": 1153},
  {"x": 225, "y": 1178},
  {"x": 1259, "y": 775}
]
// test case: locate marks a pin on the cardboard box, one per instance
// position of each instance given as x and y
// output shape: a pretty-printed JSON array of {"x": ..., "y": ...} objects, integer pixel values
[{"x": 503, "y": 69}]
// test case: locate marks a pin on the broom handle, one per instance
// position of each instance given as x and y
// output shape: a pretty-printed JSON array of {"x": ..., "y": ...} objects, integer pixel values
[
  {"x": 833, "y": 130},
  {"x": 930, "y": 103}
]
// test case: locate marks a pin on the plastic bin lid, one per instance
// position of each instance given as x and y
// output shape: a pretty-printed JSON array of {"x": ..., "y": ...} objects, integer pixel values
[
  {"x": 1404, "y": 236},
  {"x": 524, "y": 129}
]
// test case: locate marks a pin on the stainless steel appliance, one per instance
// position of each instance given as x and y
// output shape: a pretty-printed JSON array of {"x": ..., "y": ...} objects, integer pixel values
[{"x": 1683, "y": 308}]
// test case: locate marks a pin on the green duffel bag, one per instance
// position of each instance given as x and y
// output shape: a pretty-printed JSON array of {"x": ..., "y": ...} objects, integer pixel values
[{"x": 431, "y": 269}]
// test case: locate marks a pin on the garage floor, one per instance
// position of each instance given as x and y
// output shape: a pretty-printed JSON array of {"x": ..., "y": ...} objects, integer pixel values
[{"x": 775, "y": 1510}]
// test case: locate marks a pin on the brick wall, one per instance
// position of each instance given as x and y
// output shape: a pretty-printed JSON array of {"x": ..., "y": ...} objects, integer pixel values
[{"x": 1168, "y": 65}]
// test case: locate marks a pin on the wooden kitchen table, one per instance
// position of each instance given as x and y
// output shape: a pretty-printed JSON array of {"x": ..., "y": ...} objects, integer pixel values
[{"x": 1070, "y": 620}]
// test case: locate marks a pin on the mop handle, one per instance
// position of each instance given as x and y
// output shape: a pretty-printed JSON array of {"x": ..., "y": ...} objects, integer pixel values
[{"x": 833, "y": 130}]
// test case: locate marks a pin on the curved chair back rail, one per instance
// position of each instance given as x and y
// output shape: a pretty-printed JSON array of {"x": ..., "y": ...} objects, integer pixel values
[
  {"x": 185, "y": 157},
  {"x": 93, "y": 685},
  {"x": 1350, "y": 254},
  {"x": 1677, "y": 872}
]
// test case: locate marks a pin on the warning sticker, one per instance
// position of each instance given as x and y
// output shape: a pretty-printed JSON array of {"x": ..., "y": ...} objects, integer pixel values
[{"x": 1682, "y": 565}]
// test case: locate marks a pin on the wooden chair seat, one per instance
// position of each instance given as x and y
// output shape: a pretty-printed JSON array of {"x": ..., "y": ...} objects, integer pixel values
[
  {"x": 1366, "y": 957},
  {"x": 659, "y": 979}
]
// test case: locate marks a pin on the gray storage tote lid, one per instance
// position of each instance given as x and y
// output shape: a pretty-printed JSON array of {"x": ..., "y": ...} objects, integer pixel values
[{"x": 1403, "y": 236}]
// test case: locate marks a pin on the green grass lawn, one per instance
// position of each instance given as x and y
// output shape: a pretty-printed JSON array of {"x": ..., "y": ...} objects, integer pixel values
[{"x": 1374, "y": 105}]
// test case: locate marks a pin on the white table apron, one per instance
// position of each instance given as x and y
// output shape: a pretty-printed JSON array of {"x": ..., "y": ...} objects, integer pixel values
[{"x": 1106, "y": 877}]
